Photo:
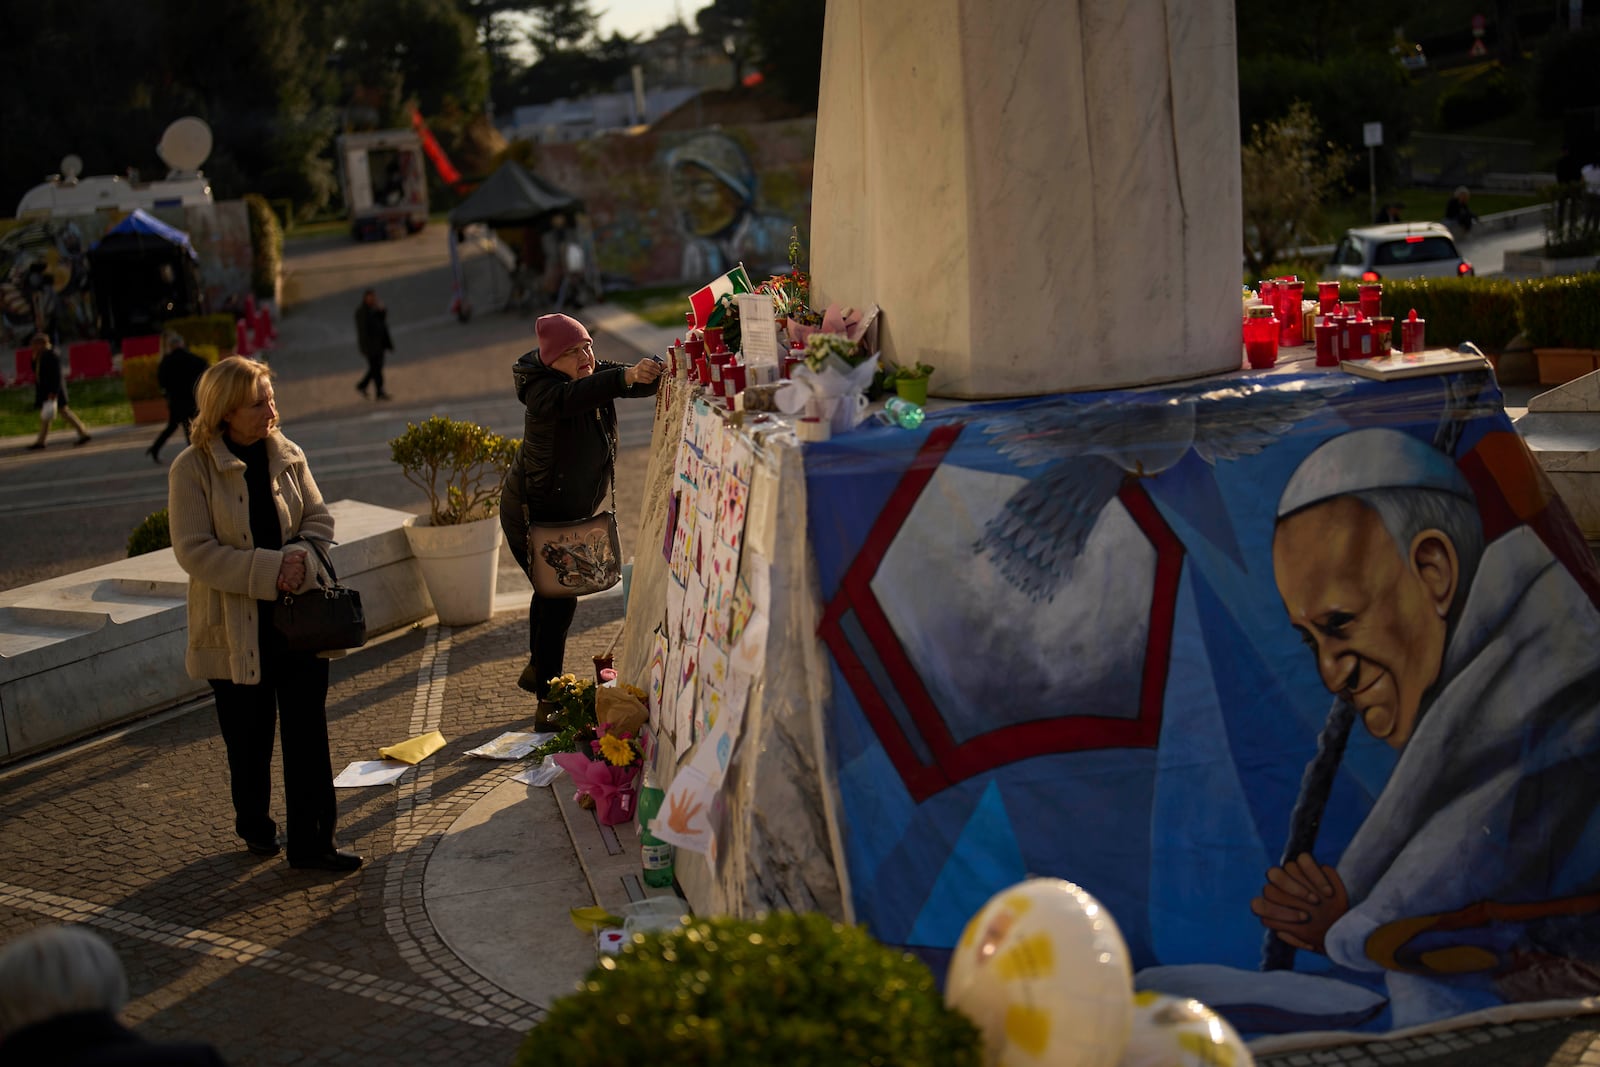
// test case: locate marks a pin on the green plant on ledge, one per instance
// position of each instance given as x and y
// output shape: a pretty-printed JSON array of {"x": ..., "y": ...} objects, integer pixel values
[
  {"x": 151, "y": 535},
  {"x": 460, "y": 465},
  {"x": 797, "y": 990},
  {"x": 914, "y": 372}
]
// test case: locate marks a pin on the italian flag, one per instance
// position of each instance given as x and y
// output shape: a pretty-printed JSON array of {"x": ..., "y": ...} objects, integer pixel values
[{"x": 712, "y": 305}]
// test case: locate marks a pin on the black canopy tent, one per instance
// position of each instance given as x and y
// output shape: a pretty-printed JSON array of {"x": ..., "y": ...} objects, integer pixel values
[
  {"x": 143, "y": 273},
  {"x": 510, "y": 197},
  {"x": 513, "y": 197}
]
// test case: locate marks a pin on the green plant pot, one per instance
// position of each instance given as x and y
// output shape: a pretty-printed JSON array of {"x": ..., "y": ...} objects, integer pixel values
[{"x": 912, "y": 389}]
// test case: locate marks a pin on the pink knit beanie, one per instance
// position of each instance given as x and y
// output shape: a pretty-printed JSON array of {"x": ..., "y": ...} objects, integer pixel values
[{"x": 557, "y": 333}]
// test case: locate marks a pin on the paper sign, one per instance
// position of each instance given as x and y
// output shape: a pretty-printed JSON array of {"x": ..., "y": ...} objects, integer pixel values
[
  {"x": 512, "y": 745},
  {"x": 685, "y": 814},
  {"x": 761, "y": 520},
  {"x": 370, "y": 772},
  {"x": 758, "y": 328},
  {"x": 750, "y": 654}
]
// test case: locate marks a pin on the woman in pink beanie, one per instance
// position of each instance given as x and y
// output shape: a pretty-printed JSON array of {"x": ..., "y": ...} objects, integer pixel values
[{"x": 565, "y": 465}]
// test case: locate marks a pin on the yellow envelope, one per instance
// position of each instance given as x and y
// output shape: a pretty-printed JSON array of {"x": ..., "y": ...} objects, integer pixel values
[{"x": 415, "y": 750}]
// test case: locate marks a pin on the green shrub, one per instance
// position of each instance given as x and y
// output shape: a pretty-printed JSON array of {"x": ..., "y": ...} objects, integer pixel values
[
  {"x": 1491, "y": 94},
  {"x": 460, "y": 465},
  {"x": 1307, "y": 270},
  {"x": 151, "y": 535},
  {"x": 1562, "y": 311},
  {"x": 216, "y": 331},
  {"x": 787, "y": 990},
  {"x": 266, "y": 244},
  {"x": 1571, "y": 221},
  {"x": 139, "y": 377},
  {"x": 1480, "y": 310}
]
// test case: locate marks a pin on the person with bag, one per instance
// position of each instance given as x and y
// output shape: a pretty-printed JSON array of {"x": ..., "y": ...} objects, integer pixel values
[
  {"x": 238, "y": 497},
  {"x": 50, "y": 392},
  {"x": 177, "y": 374},
  {"x": 560, "y": 476}
]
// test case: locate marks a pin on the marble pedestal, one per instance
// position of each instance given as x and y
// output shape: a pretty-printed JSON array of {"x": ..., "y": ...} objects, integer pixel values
[
  {"x": 1562, "y": 427},
  {"x": 1041, "y": 196}
]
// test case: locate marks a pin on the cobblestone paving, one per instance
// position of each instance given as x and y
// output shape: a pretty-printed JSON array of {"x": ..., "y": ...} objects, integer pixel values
[
  {"x": 133, "y": 836},
  {"x": 1563, "y": 1042}
]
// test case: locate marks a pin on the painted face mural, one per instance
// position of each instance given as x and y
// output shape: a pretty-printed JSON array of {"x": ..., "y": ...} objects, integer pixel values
[
  {"x": 706, "y": 205},
  {"x": 1372, "y": 619}
]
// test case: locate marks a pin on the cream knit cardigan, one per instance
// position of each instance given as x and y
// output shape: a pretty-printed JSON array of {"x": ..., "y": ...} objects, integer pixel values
[{"x": 209, "y": 513}]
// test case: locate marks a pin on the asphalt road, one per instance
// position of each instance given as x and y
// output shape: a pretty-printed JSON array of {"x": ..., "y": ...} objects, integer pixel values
[{"x": 69, "y": 508}]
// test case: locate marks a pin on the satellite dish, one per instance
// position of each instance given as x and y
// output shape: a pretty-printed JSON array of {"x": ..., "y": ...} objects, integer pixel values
[
  {"x": 71, "y": 167},
  {"x": 186, "y": 144}
]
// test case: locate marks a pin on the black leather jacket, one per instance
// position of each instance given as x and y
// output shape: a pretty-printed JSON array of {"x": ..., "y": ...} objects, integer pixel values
[{"x": 569, "y": 435}]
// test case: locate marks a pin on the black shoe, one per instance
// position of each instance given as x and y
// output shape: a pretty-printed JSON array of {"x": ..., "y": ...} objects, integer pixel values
[
  {"x": 384, "y": 396},
  {"x": 155, "y": 457},
  {"x": 332, "y": 860},
  {"x": 362, "y": 388},
  {"x": 35, "y": 447},
  {"x": 264, "y": 848},
  {"x": 546, "y": 716},
  {"x": 85, "y": 439},
  {"x": 529, "y": 679}
]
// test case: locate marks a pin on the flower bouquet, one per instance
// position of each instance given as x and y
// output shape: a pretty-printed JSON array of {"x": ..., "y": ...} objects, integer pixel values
[{"x": 606, "y": 766}]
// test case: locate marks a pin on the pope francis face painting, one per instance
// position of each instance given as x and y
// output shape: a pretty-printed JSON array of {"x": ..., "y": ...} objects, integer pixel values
[{"x": 1373, "y": 615}]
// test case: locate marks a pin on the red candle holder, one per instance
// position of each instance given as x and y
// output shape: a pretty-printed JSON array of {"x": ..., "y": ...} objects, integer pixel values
[
  {"x": 1261, "y": 337},
  {"x": 1291, "y": 328},
  {"x": 1413, "y": 333},
  {"x": 1371, "y": 299},
  {"x": 1327, "y": 335},
  {"x": 1383, "y": 332},
  {"x": 1327, "y": 297}
]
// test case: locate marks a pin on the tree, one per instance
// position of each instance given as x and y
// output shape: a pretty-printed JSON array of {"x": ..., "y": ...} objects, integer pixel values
[
  {"x": 726, "y": 23},
  {"x": 788, "y": 42},
  {"x": 1287, "y": 171},
  {"x": 422, "y": 50}
]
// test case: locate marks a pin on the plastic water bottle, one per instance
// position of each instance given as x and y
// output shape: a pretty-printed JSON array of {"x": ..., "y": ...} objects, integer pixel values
[
  {"x": 902, "y": 413},
  {"x": 656, "y": 853}
]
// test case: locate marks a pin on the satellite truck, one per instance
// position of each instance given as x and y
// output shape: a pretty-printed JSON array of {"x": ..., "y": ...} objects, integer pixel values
[
  {"x": 183, "y": 147},
  {"x": 385, "y": 183}
]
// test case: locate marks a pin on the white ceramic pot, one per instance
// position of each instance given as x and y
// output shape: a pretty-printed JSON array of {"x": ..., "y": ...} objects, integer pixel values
[{"x": 459, "y": 565}]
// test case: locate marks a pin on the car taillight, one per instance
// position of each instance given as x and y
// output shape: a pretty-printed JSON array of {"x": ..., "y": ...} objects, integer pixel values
[
  {"x": 1369, "y": 276},
  {"x": 1463, "y": 268},
  {"x": 1414, "y": 240}
]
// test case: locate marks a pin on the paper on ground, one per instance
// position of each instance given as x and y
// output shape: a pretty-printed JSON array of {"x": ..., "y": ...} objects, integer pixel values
[
  {"x": 545, "y": 773},
  {"x": 370, "y": 772},
  {"x": 416, "y": 749},
  {"x": 511, "y": 745}
]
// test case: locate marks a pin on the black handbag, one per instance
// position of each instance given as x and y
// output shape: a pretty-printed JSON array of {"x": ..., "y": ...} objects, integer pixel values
[{"x": 323, "y": 619}]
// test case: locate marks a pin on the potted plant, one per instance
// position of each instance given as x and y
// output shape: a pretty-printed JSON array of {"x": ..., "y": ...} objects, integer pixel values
[
  {"x": 911, "y": 383},
  {"x": 144, "y": 389},
  {"x": 460, "y": 466},
  {"x": 787, "y": 988}
]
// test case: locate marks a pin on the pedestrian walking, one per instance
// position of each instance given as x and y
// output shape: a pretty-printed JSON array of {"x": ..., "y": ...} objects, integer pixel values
[
  {"x": 178, "y": 373},
  {"x": 238, "y": 498},
  {"x": 50, "y": 392},
  {"x": 562, "y": 470},
  {"x": 372, "y": 337},
  {"x": 61, "y": 988},
  {"x": 1457, "y": 215}
]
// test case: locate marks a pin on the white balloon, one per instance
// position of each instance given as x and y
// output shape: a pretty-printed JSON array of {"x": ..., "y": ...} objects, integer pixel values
[
  {"x": 1043, "y": 972},
  {"x": 1176, "y": 1032}
]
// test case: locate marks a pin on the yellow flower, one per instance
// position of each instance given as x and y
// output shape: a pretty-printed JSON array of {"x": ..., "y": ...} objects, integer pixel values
[{"x": 617, "y": 752}]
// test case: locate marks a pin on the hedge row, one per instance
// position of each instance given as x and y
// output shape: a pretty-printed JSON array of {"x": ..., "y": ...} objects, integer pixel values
[
  {"x": 1558, "y": 312},
  {"x": 216, "y": 331}
]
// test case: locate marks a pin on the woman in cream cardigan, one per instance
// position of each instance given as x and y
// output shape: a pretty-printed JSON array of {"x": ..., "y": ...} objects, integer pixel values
[{"x": 236, "y": 498}]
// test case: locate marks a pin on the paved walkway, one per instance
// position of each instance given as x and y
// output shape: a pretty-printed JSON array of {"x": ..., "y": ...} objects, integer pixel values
[{"x": 445, "y": 948}]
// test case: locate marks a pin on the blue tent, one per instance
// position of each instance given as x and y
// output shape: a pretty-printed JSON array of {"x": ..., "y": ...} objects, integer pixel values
[{"x": 141, "y": 224}]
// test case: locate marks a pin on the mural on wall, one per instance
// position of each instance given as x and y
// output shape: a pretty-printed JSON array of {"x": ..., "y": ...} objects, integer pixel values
[
  {"x": 44, "y": 265},
  {"x": 671, "y": 207},
  {"x": 1299, "y": 676},
  {"x": 44, "y": 276}
]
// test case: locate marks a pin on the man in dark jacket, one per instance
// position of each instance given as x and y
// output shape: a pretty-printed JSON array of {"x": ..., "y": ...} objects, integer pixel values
[
  {"x": 566, "y": 462},
  {"x": 178, "y": 372},
  {"x": 50, "y": 392},
  {"x": 372, "y": 337}
]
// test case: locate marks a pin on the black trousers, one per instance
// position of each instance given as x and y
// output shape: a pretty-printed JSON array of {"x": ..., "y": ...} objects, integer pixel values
[
  {"x": 374, "y": 373},
  {"x": 549, "y": 618},
  {"x": 175, "y": 418},
  {"x": 291, "y": 700}
]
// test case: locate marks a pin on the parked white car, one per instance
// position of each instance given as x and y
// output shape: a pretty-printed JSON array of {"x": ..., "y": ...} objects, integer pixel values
[{"x": 1399, "y": 250}]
